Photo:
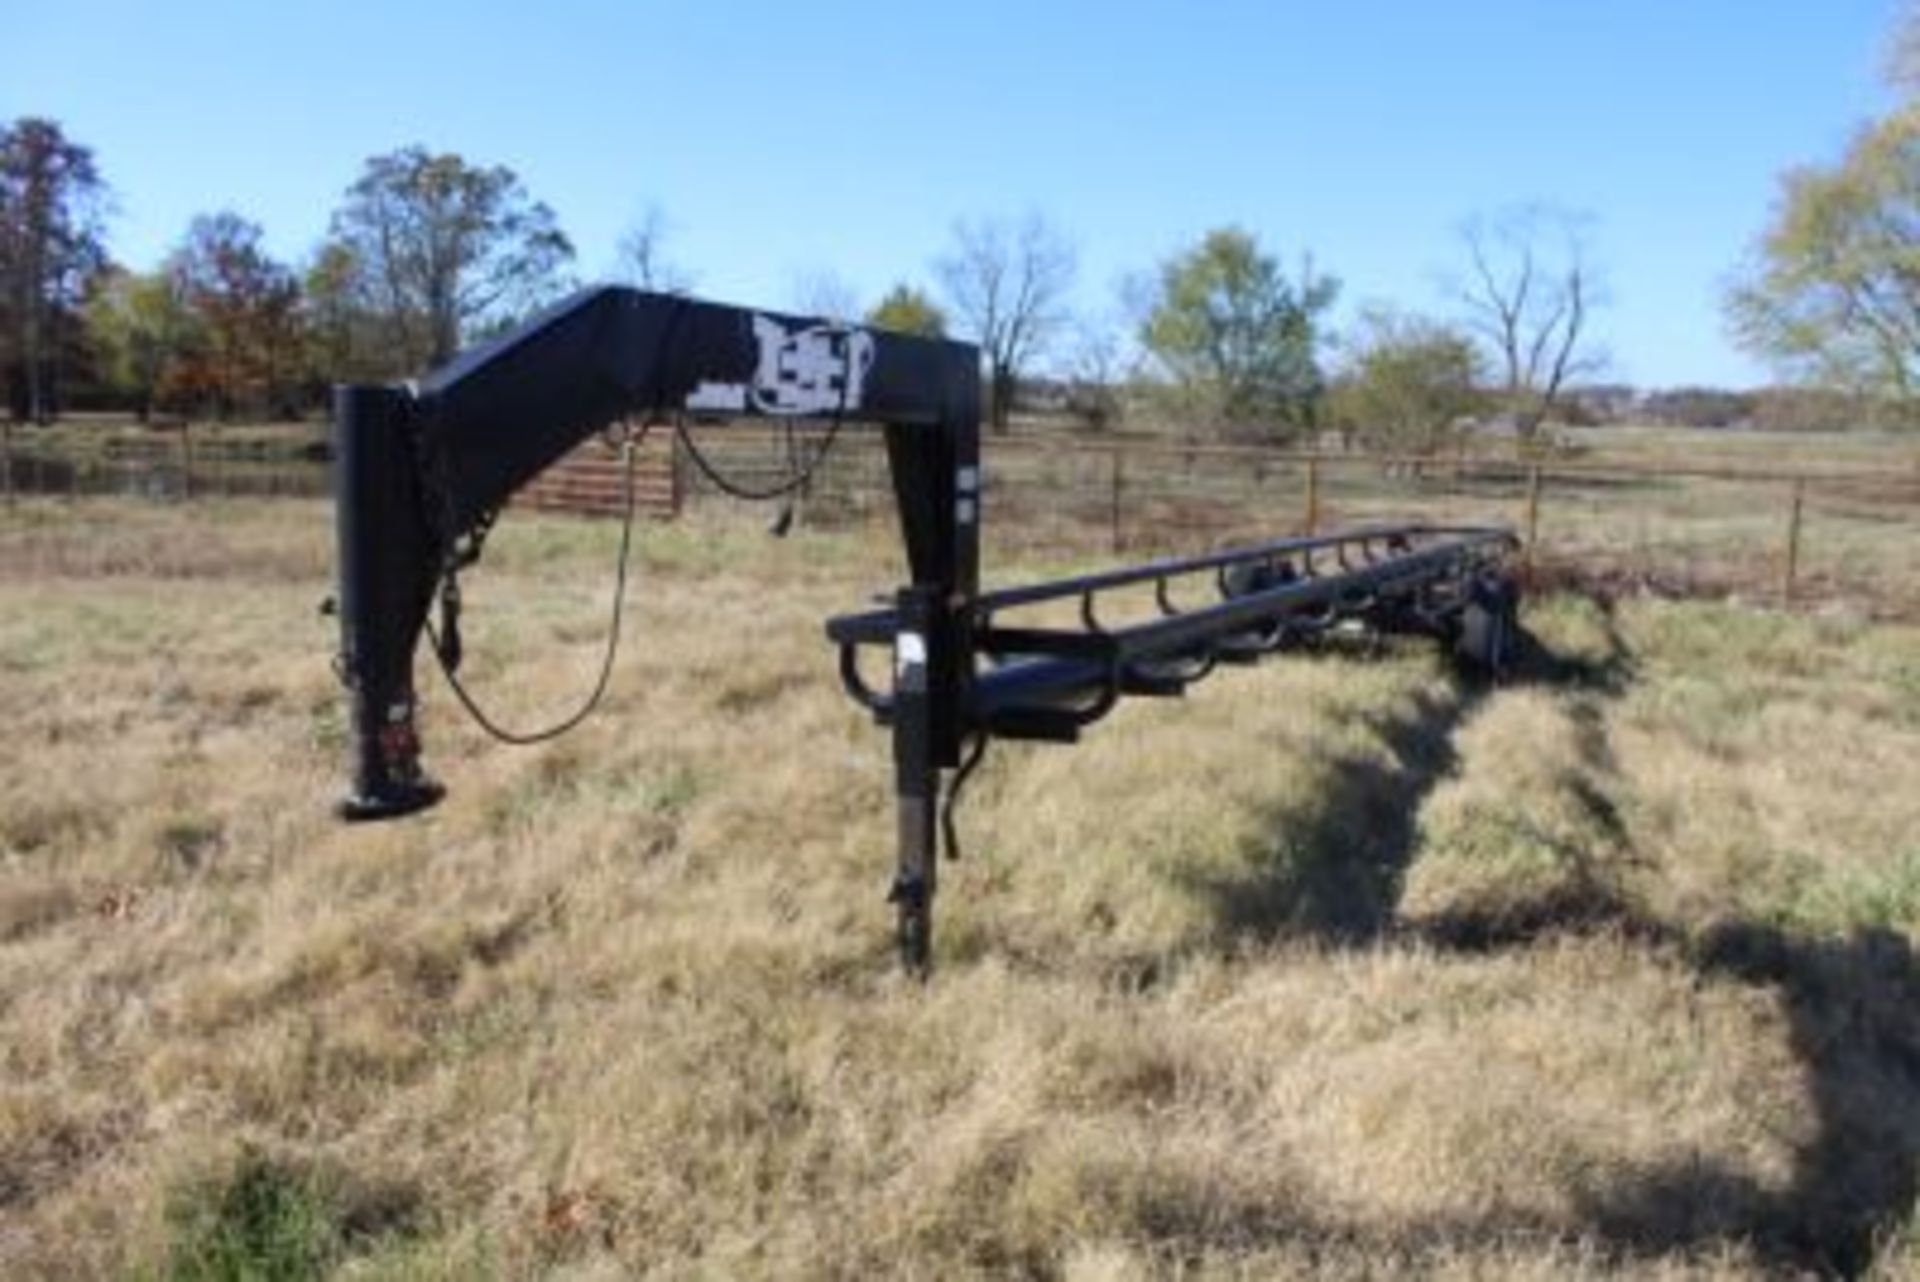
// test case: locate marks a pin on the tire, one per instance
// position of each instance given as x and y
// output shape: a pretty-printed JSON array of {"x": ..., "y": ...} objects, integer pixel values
[{"x": 1489, "y": 627}]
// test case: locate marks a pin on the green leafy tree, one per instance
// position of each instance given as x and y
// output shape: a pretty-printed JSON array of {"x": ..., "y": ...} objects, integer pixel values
[
  {"x": 52, "y": 203},
  {"x": 142, "y": 329},
  {"x": 1239, "y": 338},
  {"x": 1408, "y": 384},
  {"x": 343, "y": 324},
  {"x": 907, "y": 310},
  {"x": 1832, "y": 296},
  {"x": 445, "y": 250}
]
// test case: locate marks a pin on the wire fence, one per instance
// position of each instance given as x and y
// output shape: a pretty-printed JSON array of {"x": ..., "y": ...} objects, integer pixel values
[{"x": 1805, "y": 536}]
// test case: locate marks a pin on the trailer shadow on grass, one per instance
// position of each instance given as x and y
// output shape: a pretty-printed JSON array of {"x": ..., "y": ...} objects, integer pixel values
[
  {"x": 1852, "y": 1003},
  {"x": 1852, "y": 1006},
  {"x": 1335, "y": 873}
]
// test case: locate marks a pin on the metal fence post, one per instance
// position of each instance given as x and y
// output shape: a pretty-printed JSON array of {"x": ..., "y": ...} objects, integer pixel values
[
  {"x": 1792, "y": 569},
  {"x": 1313, "y": 494},
  {"x": 1118, "y": 479},
  {"x": 676, "y": 478},
  {"x": 1533, "y": 514}
]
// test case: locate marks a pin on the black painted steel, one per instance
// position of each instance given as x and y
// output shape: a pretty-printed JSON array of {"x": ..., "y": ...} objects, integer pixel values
[
  {"x": 385, "y": 583},
  {"x": 1046, "y": 682},
  {"x": 423, "y": 468}
]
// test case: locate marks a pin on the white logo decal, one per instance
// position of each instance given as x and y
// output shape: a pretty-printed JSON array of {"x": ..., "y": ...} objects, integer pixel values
[{"x": 817, "y": 369}]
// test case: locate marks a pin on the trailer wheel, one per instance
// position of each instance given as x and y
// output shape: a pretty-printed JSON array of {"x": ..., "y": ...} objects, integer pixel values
[{"x": 1489, "y": 627}]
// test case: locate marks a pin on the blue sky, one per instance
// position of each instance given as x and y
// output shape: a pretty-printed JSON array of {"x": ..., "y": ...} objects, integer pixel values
[{"x": 784, "y": 140}]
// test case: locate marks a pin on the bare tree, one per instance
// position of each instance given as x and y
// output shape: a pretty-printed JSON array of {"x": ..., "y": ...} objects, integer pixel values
[
  {"x": 1007, "y": 283},
  {"x": 827, "y": 294},
  {"x": 1902, "y": 56},
  {"x": 1096, "y": 371},
  {"x": 1530, "y": 294},
  {"x": 642, "y": 260}
]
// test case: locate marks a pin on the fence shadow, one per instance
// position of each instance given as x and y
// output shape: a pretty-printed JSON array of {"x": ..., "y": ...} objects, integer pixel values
[{"x": 1851, "y": 1004}]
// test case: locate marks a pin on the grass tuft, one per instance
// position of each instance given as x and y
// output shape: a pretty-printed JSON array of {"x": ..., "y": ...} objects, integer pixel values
[{"x": 266, "y": 1218}]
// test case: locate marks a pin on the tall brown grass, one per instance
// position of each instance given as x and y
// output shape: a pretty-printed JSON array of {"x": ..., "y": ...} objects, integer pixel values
[{"x": 1339, "y": 968}]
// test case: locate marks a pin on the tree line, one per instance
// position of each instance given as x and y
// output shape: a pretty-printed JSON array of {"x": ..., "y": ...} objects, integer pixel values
[{"x": 426, "y": 252}]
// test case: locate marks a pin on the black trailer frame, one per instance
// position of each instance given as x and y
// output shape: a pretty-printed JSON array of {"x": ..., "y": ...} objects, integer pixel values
[{"x": 422, "y": 470}]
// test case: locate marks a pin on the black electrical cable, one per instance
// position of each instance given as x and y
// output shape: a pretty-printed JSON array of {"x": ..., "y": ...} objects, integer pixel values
[
  {"x": 528, "y": 738},
  {"x": 949, "y": 832},
  {"x": 797, "y": 478},
  {"x": 792, "y": 484}
]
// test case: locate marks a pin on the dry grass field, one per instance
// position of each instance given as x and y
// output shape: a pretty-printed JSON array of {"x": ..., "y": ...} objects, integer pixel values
[{"x": 1337, "y": 969}]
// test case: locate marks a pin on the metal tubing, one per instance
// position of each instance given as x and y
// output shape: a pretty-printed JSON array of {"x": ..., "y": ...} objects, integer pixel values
[
  {"x": 1533, "y": 514},
  {"x": 916, "y": 774},
  {"x": 1053, "y": 589},
  {"x": 1162, "y": 636},
  {"x": 1049, "y": 671}
]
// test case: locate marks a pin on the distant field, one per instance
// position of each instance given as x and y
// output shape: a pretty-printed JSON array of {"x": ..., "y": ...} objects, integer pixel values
[
  {"x": 1874, "y": 450},
  {"x": 1336, "y": 968}
]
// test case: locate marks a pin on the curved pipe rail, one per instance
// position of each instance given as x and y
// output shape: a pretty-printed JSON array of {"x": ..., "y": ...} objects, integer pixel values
[{"x": 1050, "y": 682}]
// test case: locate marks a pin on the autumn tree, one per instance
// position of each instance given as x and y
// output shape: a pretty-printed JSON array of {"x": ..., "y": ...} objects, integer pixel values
[
  {"x": 1409, "y": 381},
  {"x": 1529, "y": 292},
  {"x": 1238, "y": 337},
  {"x": 1007, "y": 284},
  {"x": 444, "y": 250},
  {"x": 246, "y": 305},
  {"x": 907, "y": 310},
  {"x": 52, "y": 203}
]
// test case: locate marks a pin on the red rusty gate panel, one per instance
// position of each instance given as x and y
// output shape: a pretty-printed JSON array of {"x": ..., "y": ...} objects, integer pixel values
[{"x": 590, "y": 480}]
